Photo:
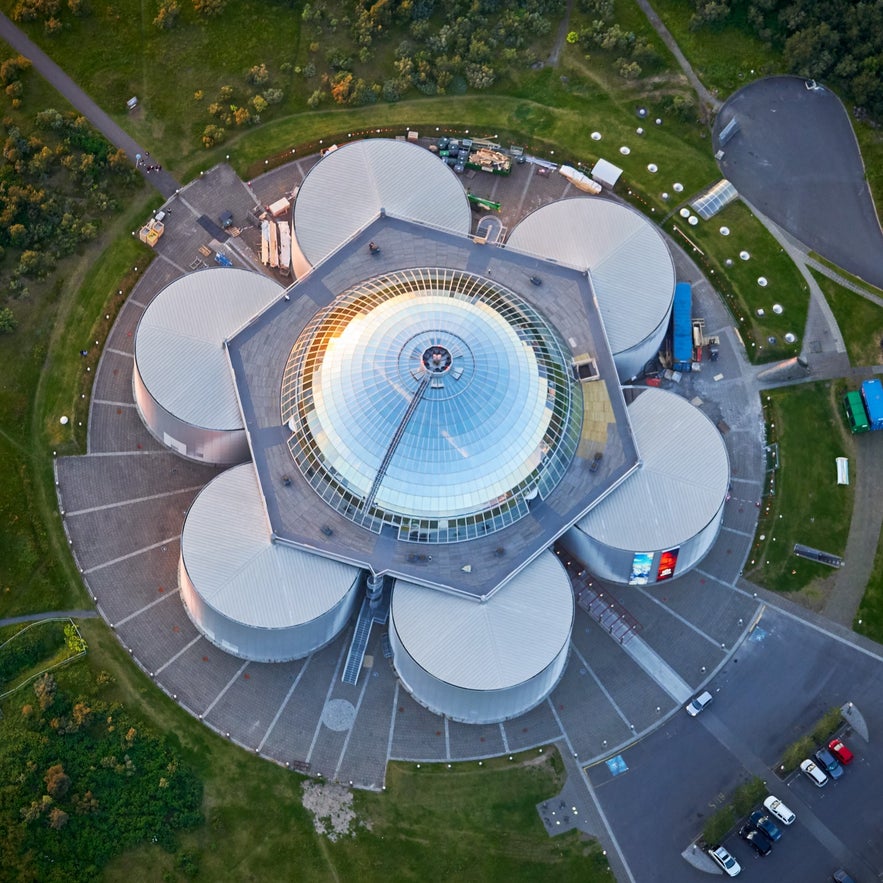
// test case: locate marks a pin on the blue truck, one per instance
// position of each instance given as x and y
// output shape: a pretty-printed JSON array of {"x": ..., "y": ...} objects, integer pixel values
[
  {"x": 872, "y": 396},
  {"x": 682, "y": 328}
]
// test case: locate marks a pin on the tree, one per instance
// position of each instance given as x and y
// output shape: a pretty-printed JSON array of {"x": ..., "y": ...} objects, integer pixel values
[
  {"x": 709, "y": 12},
  {"x": 209, "y": 8},
  {"x": 167, "y": 15},
  {"x": 212, "y": 135},
  {"x": 57, "y": 818},
  {"x": 341, "y": 87},
  {"x": 44, "y": 690},
  {"x": 74, "y": 639},
  {"x": 628, "y": 70},
  {"x": 479, "y": 76},
  {"x": 58, "y": 783},
  {"x": 258, "y": 75},
  {"x": 8, "y": 322},
  {"x": 11, "y": 69}
]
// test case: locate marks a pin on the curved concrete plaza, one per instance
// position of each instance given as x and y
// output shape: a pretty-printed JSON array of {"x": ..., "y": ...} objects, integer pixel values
[{"x": 124, "y": 504}]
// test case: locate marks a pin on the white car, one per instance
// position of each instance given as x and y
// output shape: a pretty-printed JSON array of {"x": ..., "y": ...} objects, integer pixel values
[
  {"x": 700, "y": 703},
  {"x": 779, "y": 810},
  {"x": 728, "y": 864},
  {"x": 814, "y": 772}
]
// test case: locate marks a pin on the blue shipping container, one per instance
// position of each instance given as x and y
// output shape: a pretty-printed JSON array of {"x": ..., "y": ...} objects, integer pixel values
[
  {"x": 682, "y": 321},
  {"x": 872, "y": 395}
]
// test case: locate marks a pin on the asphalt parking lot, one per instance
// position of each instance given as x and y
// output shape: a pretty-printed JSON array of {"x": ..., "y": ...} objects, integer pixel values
[
  {"x": 783, "y": 679},
  {"x": 795, "y": 158}
]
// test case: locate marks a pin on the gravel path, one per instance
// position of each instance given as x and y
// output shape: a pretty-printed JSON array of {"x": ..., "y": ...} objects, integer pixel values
[
  {"x": 163, "y": 181},
  {"x": 708, "y": 102}
]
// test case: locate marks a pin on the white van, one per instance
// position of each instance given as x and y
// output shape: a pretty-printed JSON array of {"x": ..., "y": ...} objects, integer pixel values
[{"x": 779, "y": 810}]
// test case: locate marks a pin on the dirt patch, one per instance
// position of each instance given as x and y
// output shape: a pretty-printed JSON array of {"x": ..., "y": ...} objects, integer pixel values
[
  {"x": 815, "y": 594},
  {"x": 332, "y": 810}
]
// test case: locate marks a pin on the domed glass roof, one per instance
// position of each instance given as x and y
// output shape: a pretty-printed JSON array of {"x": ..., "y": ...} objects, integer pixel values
[{"x": 434, "y": 400}]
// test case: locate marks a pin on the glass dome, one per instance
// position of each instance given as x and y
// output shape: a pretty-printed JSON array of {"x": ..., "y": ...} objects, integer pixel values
[{"x": 436, "y": 401}]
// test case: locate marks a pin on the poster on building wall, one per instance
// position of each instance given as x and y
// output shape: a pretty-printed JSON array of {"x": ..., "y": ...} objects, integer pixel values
[
  {"x": 641, "y": 564},
  {"x": 668, "y": 561}
]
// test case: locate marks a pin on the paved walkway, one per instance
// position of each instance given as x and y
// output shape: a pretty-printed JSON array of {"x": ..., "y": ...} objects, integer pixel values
[
  {"x": 825, "y": 270},
  {"x": 848, "y": 584},
  {"x": 49, "y": 614},
  {"x": 163, "y": 181}
]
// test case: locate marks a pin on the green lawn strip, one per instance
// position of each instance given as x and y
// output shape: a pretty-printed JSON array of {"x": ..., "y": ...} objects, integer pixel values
[
  {"x": 808, "y": 506},
  {"x": 806, "y": 745},
  {"x": 46, "y": 379},
  {"x": 870, "y": 141},
  {"x": 744, "y": 799},
  {"x": 869, "y": 617},
  {"x": 855, "y": 280},
  {"x": 860, "y": 321},
  {"x": 538, "y": 125}
]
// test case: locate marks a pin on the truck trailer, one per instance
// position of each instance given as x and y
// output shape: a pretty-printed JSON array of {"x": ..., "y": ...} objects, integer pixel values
[
  {"x": 856, "y": 415},
  {"x": 682, "y": 328},
  {"x": 872, "y": 396}
]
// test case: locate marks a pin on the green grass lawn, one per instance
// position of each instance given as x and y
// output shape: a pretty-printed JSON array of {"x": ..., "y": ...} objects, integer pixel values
[
  {"x": 724, "y": 57},
  {"x": 860, "y": 321},
  {"x": 808, "y": 506},
  {"x": 870, "y": 142},
  {"x": 738, "y": 281},
  {"x": 116, "y": 53}
]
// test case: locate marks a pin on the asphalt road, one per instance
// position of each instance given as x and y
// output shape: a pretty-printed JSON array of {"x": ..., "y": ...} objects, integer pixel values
[
  {"x": 795, "y": 158},
  {"x": 772, "y": 691}
]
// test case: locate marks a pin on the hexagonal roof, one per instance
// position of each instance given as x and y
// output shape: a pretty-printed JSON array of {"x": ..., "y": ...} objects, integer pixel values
[{"x": 308, "y": 510}]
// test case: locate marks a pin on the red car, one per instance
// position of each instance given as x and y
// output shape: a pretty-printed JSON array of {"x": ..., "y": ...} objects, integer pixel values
[{"x": 840, "y": 751}]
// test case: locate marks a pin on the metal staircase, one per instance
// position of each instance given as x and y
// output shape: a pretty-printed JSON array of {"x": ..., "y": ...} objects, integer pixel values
[{"x": 358, "y": 645}]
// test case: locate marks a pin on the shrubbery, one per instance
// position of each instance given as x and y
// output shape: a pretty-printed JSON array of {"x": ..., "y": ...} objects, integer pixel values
[
  {"x": 83, "y": 781},
  {"x": 58, "y": 179}
]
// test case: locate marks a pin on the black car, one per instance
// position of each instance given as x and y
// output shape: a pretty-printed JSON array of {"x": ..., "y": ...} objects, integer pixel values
[
  {"x": 765, "y": 823},
  {"x": 757, "y": 840}
]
